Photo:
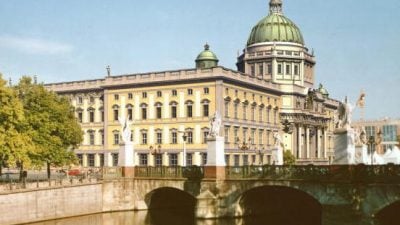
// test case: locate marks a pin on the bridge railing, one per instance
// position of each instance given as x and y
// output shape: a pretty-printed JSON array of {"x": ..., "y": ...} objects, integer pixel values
[
  {"x": 192, "y": 172},
  {"x": 337, "y": 173}
]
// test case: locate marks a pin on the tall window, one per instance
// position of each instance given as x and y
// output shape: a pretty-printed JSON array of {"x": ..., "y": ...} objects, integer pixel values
[
  {"x": 101, "y": 136},
  {"x": 226, "y": 134},
  {"x": 235, "y": 110},
  {"x": 260, "y": 114},
  {"x": 296, "y": 70},
  {"x": 80, "y": 116},
  {"x": 227, "y": 159},
  {"x": 91, "y": 137},
  {"x": 116, "y": 138},
  {"x": 253, "y": 136},
  {"x": 114, "y": 159},
  {"x": 236, "y": 134},
  {"x": 144, "y": 94},
  {"x": 101, "y": 110},
  {"x": 189, "y": 109},
  {"x": 190, "y": 91},
  {"x": 158, "y": 110},
  {"x": 253, "y": 113},
  {"x": 236, "y": 160},
  {"x": 91, "y": 160},
  {"x": 130, "y": 96},
  {"x": 269, "y": 69},
  {"x": 203, "y": 159},
  {"x": 130, "y": 111},
  {"x": 245, "y": 112},
  {"x": 101, "y": 160},
  {"x": 189, "y": 159},
  {"x": 116, "y": 112},
  {"x": 116, "y": 97},
  {"x": 159, "y": 136},
  {"x": 144, "y": 137},
  {"x": 268, "y": 114},
  {"x": 205, "y": 108},
  {"x": 174, "y": 93},
  {"x": 143, "y": 159},
  {"x": 288, "y": 69},
  {"x": 260, "y": 137},
  {"x": 252, "y": 70},
  {"x": 80, "y": 100},
  {"x": 158, "y": 160},
  {"x": 205, "y": 135},
  {"x": 227, "y": 109},
  {"x": 173, "y": 159},
  {"x": 173, "y": 110},
  {"x": 144, "y": 111},
  {"x": 206, "y": 90},
  {"x": 189, "y": 137},
  {"x": 261, "y": 69},
  {"x": 91, "y": 100},
  {"x": 245, "y": 160},
  {"x": 91, "y": 115},
  {"x": 275, "y": 116},
  {"x": 174, "y": 137},
  {"x": 280, "y": 69},
  {"x": 159, "y": 94}
]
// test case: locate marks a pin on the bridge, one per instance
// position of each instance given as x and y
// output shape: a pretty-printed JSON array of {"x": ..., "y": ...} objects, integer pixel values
[{"x": 362, "y": 192}]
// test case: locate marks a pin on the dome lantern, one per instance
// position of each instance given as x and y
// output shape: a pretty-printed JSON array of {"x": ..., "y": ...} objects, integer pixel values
[
  {"x": 275, "y": 6},
  {"x": 206, "y": 59}
]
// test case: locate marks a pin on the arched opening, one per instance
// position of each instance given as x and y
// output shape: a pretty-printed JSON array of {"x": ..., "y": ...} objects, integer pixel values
[
  {"x": 170, "y": 206},
  {"x": 389, "y": 214},
  {"x": 280, "y": 205}
]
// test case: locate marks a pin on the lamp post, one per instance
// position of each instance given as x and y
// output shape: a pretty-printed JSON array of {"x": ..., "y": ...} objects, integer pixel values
[
  {"x": 184, "y": 137},
  {"x": 371, "y": 142}
]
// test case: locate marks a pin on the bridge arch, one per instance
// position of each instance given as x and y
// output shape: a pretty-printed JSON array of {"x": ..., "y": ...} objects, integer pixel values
[
  {"x": 390, "y": 212},
  {"x": 170, "y": 198},
  {"x": 279, "y": 203}
]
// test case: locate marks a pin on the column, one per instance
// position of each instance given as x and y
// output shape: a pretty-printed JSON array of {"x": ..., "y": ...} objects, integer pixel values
[
  {"x": 318, "y": 144},
  {"x": 299, "y": 141},
  {"x": 307, "y": 142},
  {"x": 84, "y": 160},
  {"x": 97, "y": 160},
  {"x": 151, "y": 159},
  {"x": 325, "y": 144}
]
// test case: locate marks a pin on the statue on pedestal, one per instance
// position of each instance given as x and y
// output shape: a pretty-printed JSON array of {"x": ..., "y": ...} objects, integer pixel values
[
  {"x": 277, "y": 139},
  {"x": 215, "y": 125},
  {"x": 345, "y": 113},
  {"x": 126, "y": 130}
]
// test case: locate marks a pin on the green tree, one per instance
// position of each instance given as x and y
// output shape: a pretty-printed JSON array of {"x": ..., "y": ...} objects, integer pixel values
[
  {"x": 15, "y": 142},
  {"x": 52, "y": 125},
  {"x": 288, "y": 158}
]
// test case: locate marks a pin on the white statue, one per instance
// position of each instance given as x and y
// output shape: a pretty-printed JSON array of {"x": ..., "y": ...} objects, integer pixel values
[
  {"x": 277, "y": 139},
  {"x": 363, "y": 136},
  {"x": 126, "y": 130},
  {"x": 345, "y": 112},
  {"x": 215, "y": 124}
]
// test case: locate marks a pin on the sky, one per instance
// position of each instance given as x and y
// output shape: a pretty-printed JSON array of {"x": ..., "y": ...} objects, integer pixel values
[{"x": 356, "y": 42}]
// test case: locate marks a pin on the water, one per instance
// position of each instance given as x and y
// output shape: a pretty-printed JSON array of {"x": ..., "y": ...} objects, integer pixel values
[{"x": 173, "y": 218}]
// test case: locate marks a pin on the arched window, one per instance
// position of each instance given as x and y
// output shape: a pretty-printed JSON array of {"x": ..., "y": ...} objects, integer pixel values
[
  {"x": 205, "y": 131},
  {"x": 174, "y": 106},
  {"x": 91, "y": 114},
  {"x": 158, "y": 106},
  {"x": 115, "y": 112},
  {"x": 116, "y": 137},
  {"x": 174, "y": 136},
  {"x": 159, "y": 136},
  {"x": 91, "y": 137},
  {"x": 206, "y": 107},
  {"x": 101, "y": 136},
  {"x": 101, "y": 111},
  {"x": 144, "y": 137},
  {"x": 143, "y": 106},
  {"x": 189, "y": 109},
  {"x": 189, "y": 134},
  {"x": 79, "y": 114},
  {"x": 129, "y": 111}
]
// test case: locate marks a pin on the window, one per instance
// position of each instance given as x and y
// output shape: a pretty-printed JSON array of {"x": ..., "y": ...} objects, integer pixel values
[
  {"x": 173, "y": 159},
  {"x": 260, "y": 114},
  {"x": 253, "y": 113},
  {"x": 114, "y": 159},
  {"x": 275, "y": 116},
  {"x": 226, "y": 134},
  {"x": 206, "y": 90},
  {"x": 101, "y": 156},
  {"x": 268, "y": 137},
  {"x": 173, "y": 110},
  {"x": 91, "y": 137},
  {"x": 116, "y": 138},
  {"x": 116, "y": 97},
  {"x": 253, "y": 136},
  {"x": 190, "y": 137},
  {"x": 253, "y": 159},
  {"x": 227, "y": 109},
  {"x": 130, "y": 113},
  {"x": 279, "y": 68},
  {"x": 260, "y": 137},
  {"x": 159, "y": 136},
  {"x": 204, "y": 159},
  {"x": 296, "y": 70},
  {"x": 91, "y": 160},
  {"x": 269, "y": 68},
  {"x": 158, "y": 160},
  {"x": 159, "y": 94},
  {"x": 245, "y": 160},
  {"x": 252, "y": 70},
  {"x": 80, "y": 116},
  {"x": 236, "y": 160},
  {"x": 115, "y": 112},
  {"x": 189, "y": 109},
  {"x": 189, "y": 159},
  {"x": 144, "y": 111},
  {"x": 80, "y": 100},
  {"x": 80, "y": 159},
  {"x": 174, "y": 137},
  {"x": 205, "y": 109},
  {"x": 143, "y": 159},
  {"x": 245, "y": 112},
  {"x": 227, "y": 159},
  {"x": 101, "y": 110},
  {"x": 91, "y": 100},
  {"x": 144, "y": 94},
  {"x": 261, "y": 69},
  {"x": 268, "y": 116},
  {"x": 190, "y": 91},
  {"x": 144, "y": 138},
  {"x": 244, "y": 134},
  {"x": 205, "y": 135},
  {"x": 236, "y": 134},
  {"x": 235, "y": 110},
  {"x": 288, "y": 69},
  {"x": 227, "y": 91},
  {"x": 158, "y": 110},
  {"x": 131, "y": 138},
  {"x": 130, "y": 96},
  {"x": 174, "y": 93},
  {"x": 91, "y": 116},
  {"x": 102, "y": 136}
]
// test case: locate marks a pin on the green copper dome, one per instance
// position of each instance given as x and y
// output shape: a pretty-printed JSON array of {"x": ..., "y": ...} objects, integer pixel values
[
  {"x": 206, "y": 59},
  {"x": 275, "y": 27},
  {"x": 323, "y": 91}
]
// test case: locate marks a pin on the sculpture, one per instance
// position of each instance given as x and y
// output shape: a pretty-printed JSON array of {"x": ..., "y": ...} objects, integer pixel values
[
  {"x": 363, "y": 136},
  {"x": 345, "y": 112},
  {"x": 215, "y": 124},
  {"x": 126, "y": 130},
  {"x": 277, "y": 139}
]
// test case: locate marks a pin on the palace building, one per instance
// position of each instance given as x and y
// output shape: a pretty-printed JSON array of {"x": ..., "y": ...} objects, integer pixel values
[{"x": 272, "y": 91}]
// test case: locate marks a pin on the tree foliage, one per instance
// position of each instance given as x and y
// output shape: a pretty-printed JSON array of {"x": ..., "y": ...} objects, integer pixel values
[
  {"x": 51, "y": 124},
  {"x": 15, "y": 142},
  {"x": 288, "y": 158}
]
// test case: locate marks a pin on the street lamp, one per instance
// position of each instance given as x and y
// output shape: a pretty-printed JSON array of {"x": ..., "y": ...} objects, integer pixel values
[
  {"x": 184, "y": 137},
  {"x": 371, "y": 142}
]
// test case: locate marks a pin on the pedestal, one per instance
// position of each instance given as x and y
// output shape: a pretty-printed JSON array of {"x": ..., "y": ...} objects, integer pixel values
[
  {"x": 126, "y": 159},
  {"x": 215, "y": 167},
  {"x": 344, "y": 146},
  {"x": 361, "y": 155},
  {"x": 277, "y": 156}
]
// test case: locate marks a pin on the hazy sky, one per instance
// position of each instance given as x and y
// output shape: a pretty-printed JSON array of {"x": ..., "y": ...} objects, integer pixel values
[{"x": 356, "y": 42}]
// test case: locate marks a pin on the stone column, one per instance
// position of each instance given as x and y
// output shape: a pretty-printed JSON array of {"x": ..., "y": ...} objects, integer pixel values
[
  {"x": 318, "y": 145},
  {"x": 307, "y": 142},
  {"x": 84, "y": 160},
  {"x": 299, "y": 141},
  {"x": 325, "y": 144}
]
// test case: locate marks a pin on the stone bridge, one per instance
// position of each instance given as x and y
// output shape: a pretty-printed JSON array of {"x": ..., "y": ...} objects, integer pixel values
[{"x": 318, "y": 192}]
